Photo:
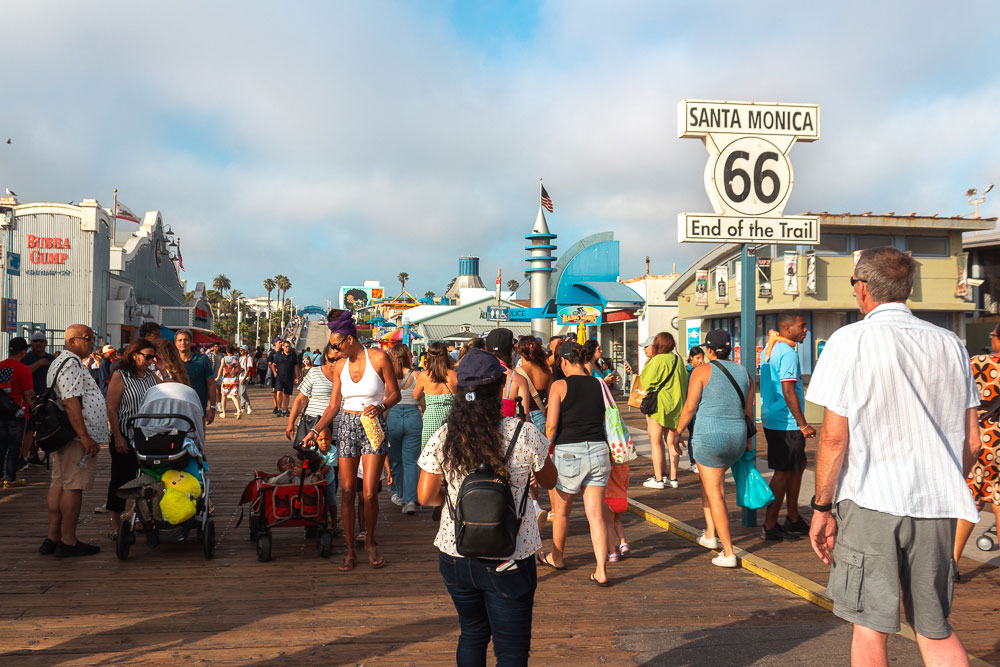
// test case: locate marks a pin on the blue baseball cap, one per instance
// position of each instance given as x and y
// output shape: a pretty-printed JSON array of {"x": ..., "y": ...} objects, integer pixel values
[{"x": 478, "y": 368}]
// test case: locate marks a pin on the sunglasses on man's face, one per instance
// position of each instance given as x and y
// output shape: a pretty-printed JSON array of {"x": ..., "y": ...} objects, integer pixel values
[{"x": 855, "y": 281}]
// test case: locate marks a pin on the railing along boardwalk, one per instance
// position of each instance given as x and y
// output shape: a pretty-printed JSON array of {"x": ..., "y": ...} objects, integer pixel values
[{"x": 668, "y": 604}]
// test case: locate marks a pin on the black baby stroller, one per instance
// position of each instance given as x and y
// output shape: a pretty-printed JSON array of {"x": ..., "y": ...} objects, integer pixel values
[{"x": 167, "y": 437}]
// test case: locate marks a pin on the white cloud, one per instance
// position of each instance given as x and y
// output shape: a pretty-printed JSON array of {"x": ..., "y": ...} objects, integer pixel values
[{"x": 338, "y": 142}]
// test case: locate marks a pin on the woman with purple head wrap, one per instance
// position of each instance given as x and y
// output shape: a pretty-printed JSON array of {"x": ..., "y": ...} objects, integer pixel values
[
  {"x": 364, "y": 385},
  {"x": 342, "y": 324}
]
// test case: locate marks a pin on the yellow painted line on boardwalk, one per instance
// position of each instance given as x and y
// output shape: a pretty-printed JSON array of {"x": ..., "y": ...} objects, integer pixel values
[{"x": 782, "y": 576}]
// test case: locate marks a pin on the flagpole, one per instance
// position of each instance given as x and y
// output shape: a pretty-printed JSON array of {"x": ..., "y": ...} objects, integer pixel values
[
  {"x": 114, "y": 216},
  {"x": 539, "y": 191}
]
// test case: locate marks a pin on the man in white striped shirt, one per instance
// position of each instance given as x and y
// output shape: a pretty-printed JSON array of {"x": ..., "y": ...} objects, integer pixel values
[{"x": 899, "y": 436}]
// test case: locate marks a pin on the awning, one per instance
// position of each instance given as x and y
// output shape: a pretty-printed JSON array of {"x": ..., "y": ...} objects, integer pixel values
[
  {"x": 205, "y": 338},
  {"x": 612, "y": 295}
]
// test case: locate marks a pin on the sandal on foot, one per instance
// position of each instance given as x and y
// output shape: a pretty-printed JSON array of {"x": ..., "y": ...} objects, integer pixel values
[
  {"x": 350, "y": 561},
  {"x": 602, "y": 584},
  {"x": 543, "y": 559}
]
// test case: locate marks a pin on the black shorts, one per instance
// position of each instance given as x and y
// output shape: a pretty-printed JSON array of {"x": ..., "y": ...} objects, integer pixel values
[
  {"x": 786, "y": 450},
  {"x": 284, "y": 385}
]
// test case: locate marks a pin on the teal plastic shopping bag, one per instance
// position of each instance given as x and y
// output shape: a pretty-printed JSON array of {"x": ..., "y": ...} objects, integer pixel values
[{"x": 752, "y": 490}]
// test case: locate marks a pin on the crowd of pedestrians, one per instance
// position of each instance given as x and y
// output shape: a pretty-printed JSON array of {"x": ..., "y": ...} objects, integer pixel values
[{"x": 906, "y": 457}]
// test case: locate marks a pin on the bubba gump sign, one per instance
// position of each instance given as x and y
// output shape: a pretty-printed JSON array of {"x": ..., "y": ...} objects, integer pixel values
[{"x": 47, "y": 249}]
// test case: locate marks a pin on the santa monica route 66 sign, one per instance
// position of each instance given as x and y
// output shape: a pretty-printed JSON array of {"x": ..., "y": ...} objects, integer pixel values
[{"x": 748, "y": 176}]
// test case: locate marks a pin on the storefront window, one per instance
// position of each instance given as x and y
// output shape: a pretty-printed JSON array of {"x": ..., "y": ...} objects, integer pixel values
[
  {"x": 834, "y": 244},
  {"x": 864, "y": 241},
  {"x": 927, "y": 246}
]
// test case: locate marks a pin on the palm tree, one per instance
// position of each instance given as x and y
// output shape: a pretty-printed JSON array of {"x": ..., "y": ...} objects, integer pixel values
[
  {"x": 429, "y": 294},
  {"x": 269, "y": 285},
  {"x": 283, "y": 286},
  {"x": 402, "y": 278},
  {"x": 512, "y": 285},
  {"x": 221, "y": 283}
]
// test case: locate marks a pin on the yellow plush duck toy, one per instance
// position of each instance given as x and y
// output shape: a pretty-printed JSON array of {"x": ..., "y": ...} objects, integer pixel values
[{"x": 181, "y": 491}]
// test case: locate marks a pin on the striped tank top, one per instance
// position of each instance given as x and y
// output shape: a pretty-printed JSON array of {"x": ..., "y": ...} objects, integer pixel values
[{"x": 134, "y": 390}]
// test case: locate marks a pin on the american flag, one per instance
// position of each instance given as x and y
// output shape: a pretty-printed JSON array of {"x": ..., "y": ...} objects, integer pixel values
[{"x": 546, "y": 200}]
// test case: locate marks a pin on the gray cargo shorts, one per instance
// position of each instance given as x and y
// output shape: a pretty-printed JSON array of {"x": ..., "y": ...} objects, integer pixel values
[{"x": 880, "y": 559}]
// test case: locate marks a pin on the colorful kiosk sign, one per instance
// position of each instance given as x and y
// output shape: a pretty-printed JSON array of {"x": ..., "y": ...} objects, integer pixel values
[{"x": 579, "y": 315}]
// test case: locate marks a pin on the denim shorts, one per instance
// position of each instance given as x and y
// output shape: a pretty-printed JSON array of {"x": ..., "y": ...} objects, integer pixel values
[{"x": 581, "y": 464}]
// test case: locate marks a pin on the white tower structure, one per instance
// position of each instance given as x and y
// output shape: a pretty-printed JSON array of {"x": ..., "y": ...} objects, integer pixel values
[{"x": 540, "y": 261}]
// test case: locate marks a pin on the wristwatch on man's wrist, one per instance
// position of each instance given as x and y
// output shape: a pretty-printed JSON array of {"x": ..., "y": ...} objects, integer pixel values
[{"x": 820, "y": 508}]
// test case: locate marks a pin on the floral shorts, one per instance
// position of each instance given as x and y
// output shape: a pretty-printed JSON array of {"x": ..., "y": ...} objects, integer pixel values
[{"x": 352, "y": 441}]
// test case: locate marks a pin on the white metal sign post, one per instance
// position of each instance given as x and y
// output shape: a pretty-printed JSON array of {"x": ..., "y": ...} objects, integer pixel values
[{"x": 748, "y": 179}]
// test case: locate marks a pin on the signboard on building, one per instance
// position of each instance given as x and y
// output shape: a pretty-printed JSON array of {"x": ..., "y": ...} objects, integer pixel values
[
  {"x": 693, "y": 329},
  {"x": 722, "y": 284},
  {"x": 579, "y": 315},
  {"x": 498, "y": 313},
  {"x": 791, "y": 272},
  {"x": 701, "y": 288},
  {"x": 10, "y": 315},
  {"x": 764, "y": 277},
  {"x": 13, "y": 263},
  {"x": 355, "y": 298},
  {"x": 749, "y": 176}
]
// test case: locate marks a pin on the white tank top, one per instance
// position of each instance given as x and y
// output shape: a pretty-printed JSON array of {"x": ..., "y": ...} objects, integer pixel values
[{"x": 356, "y": 396}]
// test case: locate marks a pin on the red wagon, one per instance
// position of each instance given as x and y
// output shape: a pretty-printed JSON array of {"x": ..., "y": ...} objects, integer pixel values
[{"x": 287, "y": 506}]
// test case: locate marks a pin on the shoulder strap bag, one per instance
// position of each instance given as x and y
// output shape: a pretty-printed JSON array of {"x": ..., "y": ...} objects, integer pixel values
[
  {"x": 531, "y": 388},
  {"x": 651, "y": 400},
  {"x": 751, "y": 422}
]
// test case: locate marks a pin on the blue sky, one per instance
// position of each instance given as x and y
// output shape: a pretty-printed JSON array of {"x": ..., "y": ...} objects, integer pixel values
[{"x": 338, "y": 142}]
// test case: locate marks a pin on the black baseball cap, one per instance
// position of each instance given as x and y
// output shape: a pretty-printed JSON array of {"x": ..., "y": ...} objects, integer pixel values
[
  {"x": 17, "y": 344},
  {"x": 500, "y": 340},
  {"x": 478, "y": 368},
  {"x": 718, "y": 339},
  {"x": 569, "y": 347}
]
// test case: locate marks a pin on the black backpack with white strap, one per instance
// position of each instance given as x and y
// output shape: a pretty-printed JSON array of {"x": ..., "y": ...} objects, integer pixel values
[{"x": 486, "y": 519}]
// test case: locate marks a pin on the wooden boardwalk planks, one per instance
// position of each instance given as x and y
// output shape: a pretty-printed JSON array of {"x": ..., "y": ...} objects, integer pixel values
[{"x": 668, "y": 605}]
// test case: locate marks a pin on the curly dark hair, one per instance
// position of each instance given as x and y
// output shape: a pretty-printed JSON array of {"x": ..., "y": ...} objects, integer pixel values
[{"x": 474, "y": 431}]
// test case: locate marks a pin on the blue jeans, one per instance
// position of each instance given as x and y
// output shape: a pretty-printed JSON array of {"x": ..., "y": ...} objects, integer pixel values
[
  {"x": 491, "y": 603},
  {"x": 10, "y": 446},
  {"x": 404, "y": 424}
]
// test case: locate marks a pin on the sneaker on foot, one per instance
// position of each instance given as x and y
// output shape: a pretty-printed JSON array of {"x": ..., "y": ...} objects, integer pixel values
[
  {"x": 708, "y": 543},
  {"x": 799, "y": 526},
  {"x": 276, "y": 411},
  {"x": 396, "y": 500},
  {"x": 249, "y": 410},
  {"x": 103, "y": 509},
  {"x": 725, "y": 561},
  {"x": 613, "y": 557},
  {"x": 694, "y": 468},
  {"x": 624, "y": 549},
  {"x": 673, "y": 483},
  {"x": 653, "y": 483},
  {"x": 410, "y": 508},
  {"x": 778, "y": 533},
  {"x": 78, "y": 549},
  {"x": 36, "y": 462},
  {"x": 47, "y": 548}
]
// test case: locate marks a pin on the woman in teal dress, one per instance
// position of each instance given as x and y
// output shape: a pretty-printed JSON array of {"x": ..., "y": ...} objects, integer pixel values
[
  {"x": 721, "y": 436},
  {"x": 666, "y": 374}
]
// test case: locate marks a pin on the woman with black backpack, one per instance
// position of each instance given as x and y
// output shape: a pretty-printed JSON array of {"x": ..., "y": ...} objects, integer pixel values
[{"x": 486, "y": 553}]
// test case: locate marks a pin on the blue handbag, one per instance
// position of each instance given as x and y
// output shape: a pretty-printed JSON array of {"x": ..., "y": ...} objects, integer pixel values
[{"x": 752, "y": 490}]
